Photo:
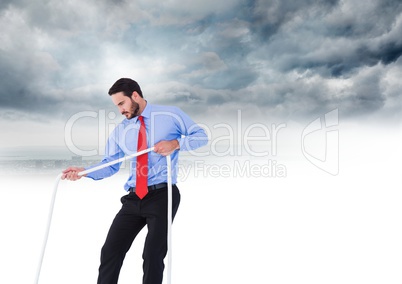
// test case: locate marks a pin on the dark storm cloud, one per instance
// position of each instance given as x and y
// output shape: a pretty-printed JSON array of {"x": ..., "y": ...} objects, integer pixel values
[
  {"x": 280, "y": 57},
  {"x": 367, "y": 94},
  {"x": 349, "y": 36},
  {"x": 386, "y": 53},
  {"x": 231, "y": 79},
  {"x": 266, "y": 17},
  {"x": 4, "y": 4}
]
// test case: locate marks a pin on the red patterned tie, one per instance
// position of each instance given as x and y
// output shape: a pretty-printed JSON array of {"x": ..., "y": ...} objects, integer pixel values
[{"x": 141, "y": 186}]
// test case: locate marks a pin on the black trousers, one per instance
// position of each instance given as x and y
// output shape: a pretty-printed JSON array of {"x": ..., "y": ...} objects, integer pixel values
[{"x": 133, "y": 216}]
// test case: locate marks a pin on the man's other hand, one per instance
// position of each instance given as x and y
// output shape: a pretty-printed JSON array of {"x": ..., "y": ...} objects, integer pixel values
[
  {"x": 166, "y": 148},
  {"x": 71, "y": 173}
]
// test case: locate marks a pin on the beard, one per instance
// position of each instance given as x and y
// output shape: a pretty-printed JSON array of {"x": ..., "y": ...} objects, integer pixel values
[{"x": 134, "y": 110}]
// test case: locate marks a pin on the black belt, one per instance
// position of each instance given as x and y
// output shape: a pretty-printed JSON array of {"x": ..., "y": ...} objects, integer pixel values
[{"x": 151, "y": 187}]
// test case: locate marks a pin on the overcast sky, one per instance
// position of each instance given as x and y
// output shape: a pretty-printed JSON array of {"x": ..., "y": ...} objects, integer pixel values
[{"x": 287, "y": 59}]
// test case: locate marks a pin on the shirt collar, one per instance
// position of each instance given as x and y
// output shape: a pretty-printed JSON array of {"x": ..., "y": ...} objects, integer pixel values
[{"x": 145, "y": 113}]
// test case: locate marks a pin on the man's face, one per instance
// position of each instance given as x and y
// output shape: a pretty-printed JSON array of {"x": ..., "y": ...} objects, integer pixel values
[{"x": 126, "y": 105}]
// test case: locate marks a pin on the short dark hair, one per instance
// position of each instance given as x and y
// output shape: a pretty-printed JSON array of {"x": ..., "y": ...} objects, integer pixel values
[{"x": 127, "y": 86}]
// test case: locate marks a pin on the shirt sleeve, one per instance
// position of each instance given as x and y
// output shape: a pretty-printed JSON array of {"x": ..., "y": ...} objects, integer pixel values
[
  {"x": 192, "y": 135},
  {"x": 112, "y": 152}
]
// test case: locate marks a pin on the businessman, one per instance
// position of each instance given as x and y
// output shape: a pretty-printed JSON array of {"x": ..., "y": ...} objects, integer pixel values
[{"x": 169, "y": 130}]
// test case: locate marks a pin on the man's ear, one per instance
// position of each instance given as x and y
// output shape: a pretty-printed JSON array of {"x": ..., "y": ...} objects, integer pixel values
[{"x": 135, "y": 95}]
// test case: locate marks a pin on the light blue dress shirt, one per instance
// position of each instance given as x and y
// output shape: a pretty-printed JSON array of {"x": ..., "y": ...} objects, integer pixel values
[{"x": 162, "y": 123}]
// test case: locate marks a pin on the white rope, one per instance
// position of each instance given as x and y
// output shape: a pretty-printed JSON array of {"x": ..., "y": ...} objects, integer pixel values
[
  {"x": 49, "y": 221},
  {"x": 94, "y": 169},
  {"x": 56, "y": 184}
]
